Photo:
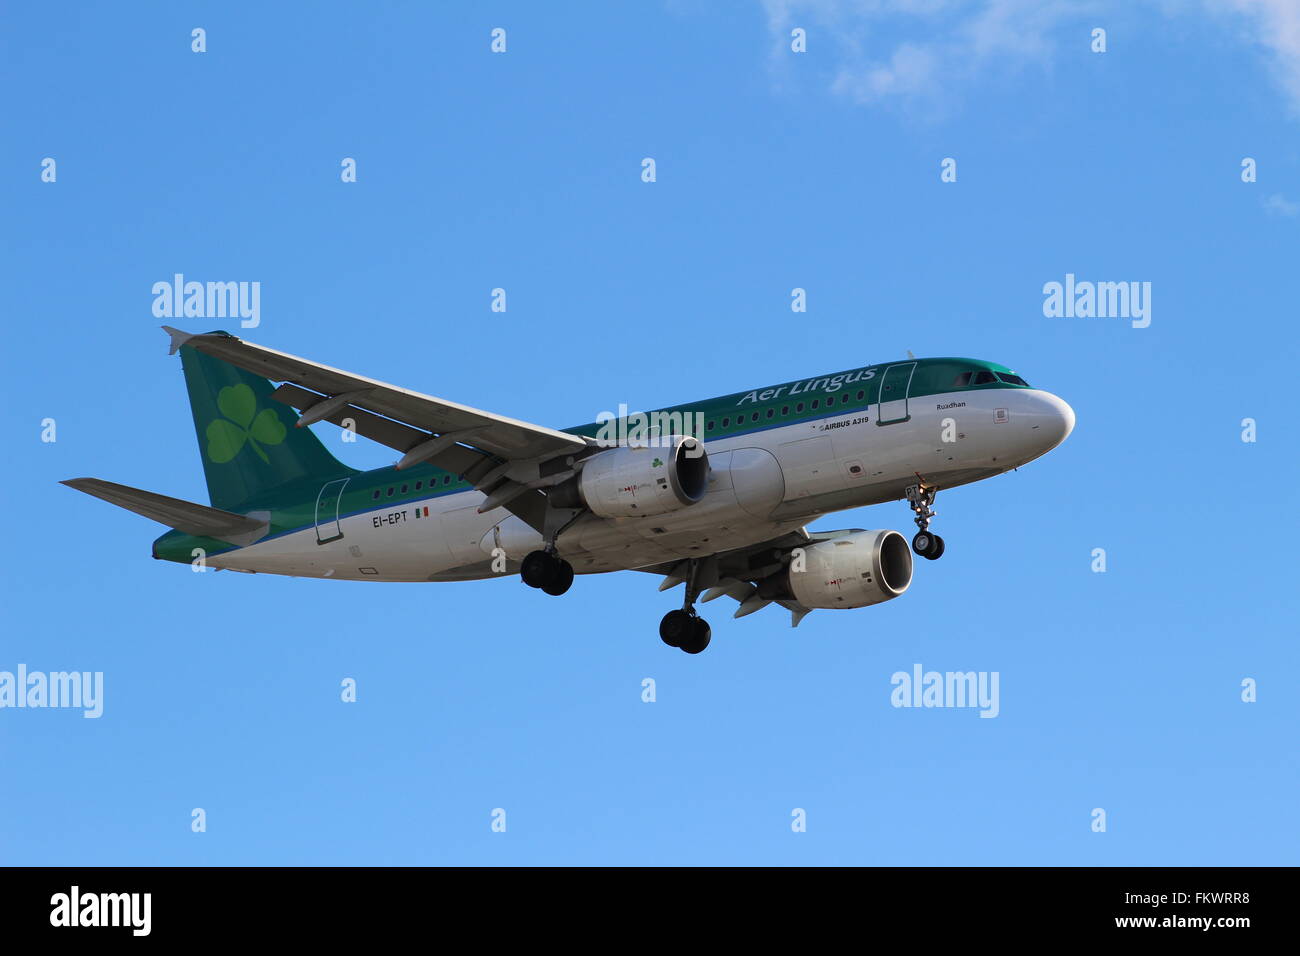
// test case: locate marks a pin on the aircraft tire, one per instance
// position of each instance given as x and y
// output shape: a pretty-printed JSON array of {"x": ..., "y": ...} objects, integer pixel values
[
  {"x": 676, "y": 627},
  {"x": 537, "y": 569},
  {"x": 561, "y": 578},
  {"x": 700, "y": 636}
]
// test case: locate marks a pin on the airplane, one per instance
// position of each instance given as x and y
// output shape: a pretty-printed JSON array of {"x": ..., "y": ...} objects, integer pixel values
[{"x": 714, "y": 495}]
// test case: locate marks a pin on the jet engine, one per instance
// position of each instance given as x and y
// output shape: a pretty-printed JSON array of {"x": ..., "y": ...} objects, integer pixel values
[
  {"x": 639, "y": 480},
  {"x": 858, "y": 569}
]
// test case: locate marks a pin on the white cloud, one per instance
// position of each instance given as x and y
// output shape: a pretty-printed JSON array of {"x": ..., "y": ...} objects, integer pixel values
[
  {"x": 1275, "y": 26},
  {"x": 942, "y": 44},
  {"x": 1279, "y": 205},
  {"x": 940, "y": 47},
  {"x": 912, "y": 71}
]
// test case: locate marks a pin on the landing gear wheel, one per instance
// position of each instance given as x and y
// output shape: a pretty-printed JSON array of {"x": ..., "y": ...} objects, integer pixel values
[
  {"x": 699, "y": 639},
  {"x": 541, "y": 570},
  {"x": 928, "y": 545},
  {"x": 676, "y": 628},
  {"x": 537, "y": 569},
  {"x": 561, "y": 579}
]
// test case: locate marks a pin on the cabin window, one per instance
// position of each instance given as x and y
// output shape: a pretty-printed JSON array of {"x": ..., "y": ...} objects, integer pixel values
[
  {"x": 419, "y": 485},
  {"x": 861, "y": 395},
  {"x": 390, "y": 493},
  {"x": 816, "y": 402},
  {"x": 785, "y": 409},
  {"x": 376, "y": 494},
  {"x": 962, "y": 380},
  {"x": 754, "y": 417},
  {"x": 771, "y": 412},
  {"x": 798, "y": 408},
  {"x": 708, "y": 426},
  {"x": 446, "y": 479},
  {"x": 726, "y": 422},
  {"x": 1012, "y": 379},
  {"x": 985, "y": 378},
  {"x": 844, "y": 399}
]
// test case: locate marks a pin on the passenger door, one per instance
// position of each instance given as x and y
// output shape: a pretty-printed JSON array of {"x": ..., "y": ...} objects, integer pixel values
[{"x": 893, "y": 394}]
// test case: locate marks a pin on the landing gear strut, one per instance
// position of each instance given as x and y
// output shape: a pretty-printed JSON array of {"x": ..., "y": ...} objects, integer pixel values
[
  {"x": 919, "y": 499},
  {"x": 685, "y": 629}
]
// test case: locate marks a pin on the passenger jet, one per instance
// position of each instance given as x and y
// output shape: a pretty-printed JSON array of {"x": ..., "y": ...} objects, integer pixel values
[{"x": 713, "y": 495}]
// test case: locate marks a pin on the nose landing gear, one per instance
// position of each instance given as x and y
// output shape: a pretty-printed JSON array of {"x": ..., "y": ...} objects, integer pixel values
[{"x": 919, "y": 499}]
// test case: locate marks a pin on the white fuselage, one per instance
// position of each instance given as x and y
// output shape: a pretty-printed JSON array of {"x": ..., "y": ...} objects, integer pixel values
[{"x": 762, "y": 484}]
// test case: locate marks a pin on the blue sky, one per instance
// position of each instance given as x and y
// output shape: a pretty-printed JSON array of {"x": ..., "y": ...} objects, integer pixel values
[{"x": 775, "y": 170}]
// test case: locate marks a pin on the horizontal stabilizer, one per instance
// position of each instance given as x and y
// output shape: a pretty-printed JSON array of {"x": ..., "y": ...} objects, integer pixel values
[{"x": 175, "y": 513}]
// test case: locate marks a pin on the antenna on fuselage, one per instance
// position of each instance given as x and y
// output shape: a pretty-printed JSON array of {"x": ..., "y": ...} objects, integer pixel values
[{"x": 910, "y": 355}]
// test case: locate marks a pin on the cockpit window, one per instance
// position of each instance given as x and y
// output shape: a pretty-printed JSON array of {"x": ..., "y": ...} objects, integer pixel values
[
  {"x": 1012, "y": 379},
  {"x": 984, "y": 378},
  {"x": 962, "y": 380}
]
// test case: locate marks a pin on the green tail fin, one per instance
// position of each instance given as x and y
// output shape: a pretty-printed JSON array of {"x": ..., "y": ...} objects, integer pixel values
[{"x": 248, "y": 441}]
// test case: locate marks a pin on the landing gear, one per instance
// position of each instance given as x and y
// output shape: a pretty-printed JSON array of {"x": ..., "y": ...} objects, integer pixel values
[
  {"x": 685, "y": 629},
  {"x": 552, "y": 574},
  {"x": 545, "y": 569},
  {"x": 919, "y": 499}
]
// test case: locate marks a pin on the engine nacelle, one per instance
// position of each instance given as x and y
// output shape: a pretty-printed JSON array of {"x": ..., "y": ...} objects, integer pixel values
[
  {"x": 640, "y": 480},
  {"x": 857, "y": 570}
]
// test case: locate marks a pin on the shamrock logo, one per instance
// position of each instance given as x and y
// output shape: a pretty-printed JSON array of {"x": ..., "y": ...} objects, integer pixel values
[
  {"x": 245, "y": 424},
  {"x": 657, "y": 463}
]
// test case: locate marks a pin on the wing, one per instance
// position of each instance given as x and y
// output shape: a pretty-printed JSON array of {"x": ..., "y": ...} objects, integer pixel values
[{"x": 506, "y": 459}]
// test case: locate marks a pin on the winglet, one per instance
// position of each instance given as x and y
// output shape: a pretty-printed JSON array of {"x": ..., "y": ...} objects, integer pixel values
[{"x": 179, "y": 338}]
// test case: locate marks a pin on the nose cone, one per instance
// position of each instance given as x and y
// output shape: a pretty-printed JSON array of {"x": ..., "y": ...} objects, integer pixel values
[{"x": 1052, "y": 420}]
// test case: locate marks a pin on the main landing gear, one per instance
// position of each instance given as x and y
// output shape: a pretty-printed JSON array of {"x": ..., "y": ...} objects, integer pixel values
[
  {"x": 551, "y": 573},
  {"x": 545, "y": 569},
  {"x": 920, "y": 498},
  {"x": 685, "y": 629}
]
